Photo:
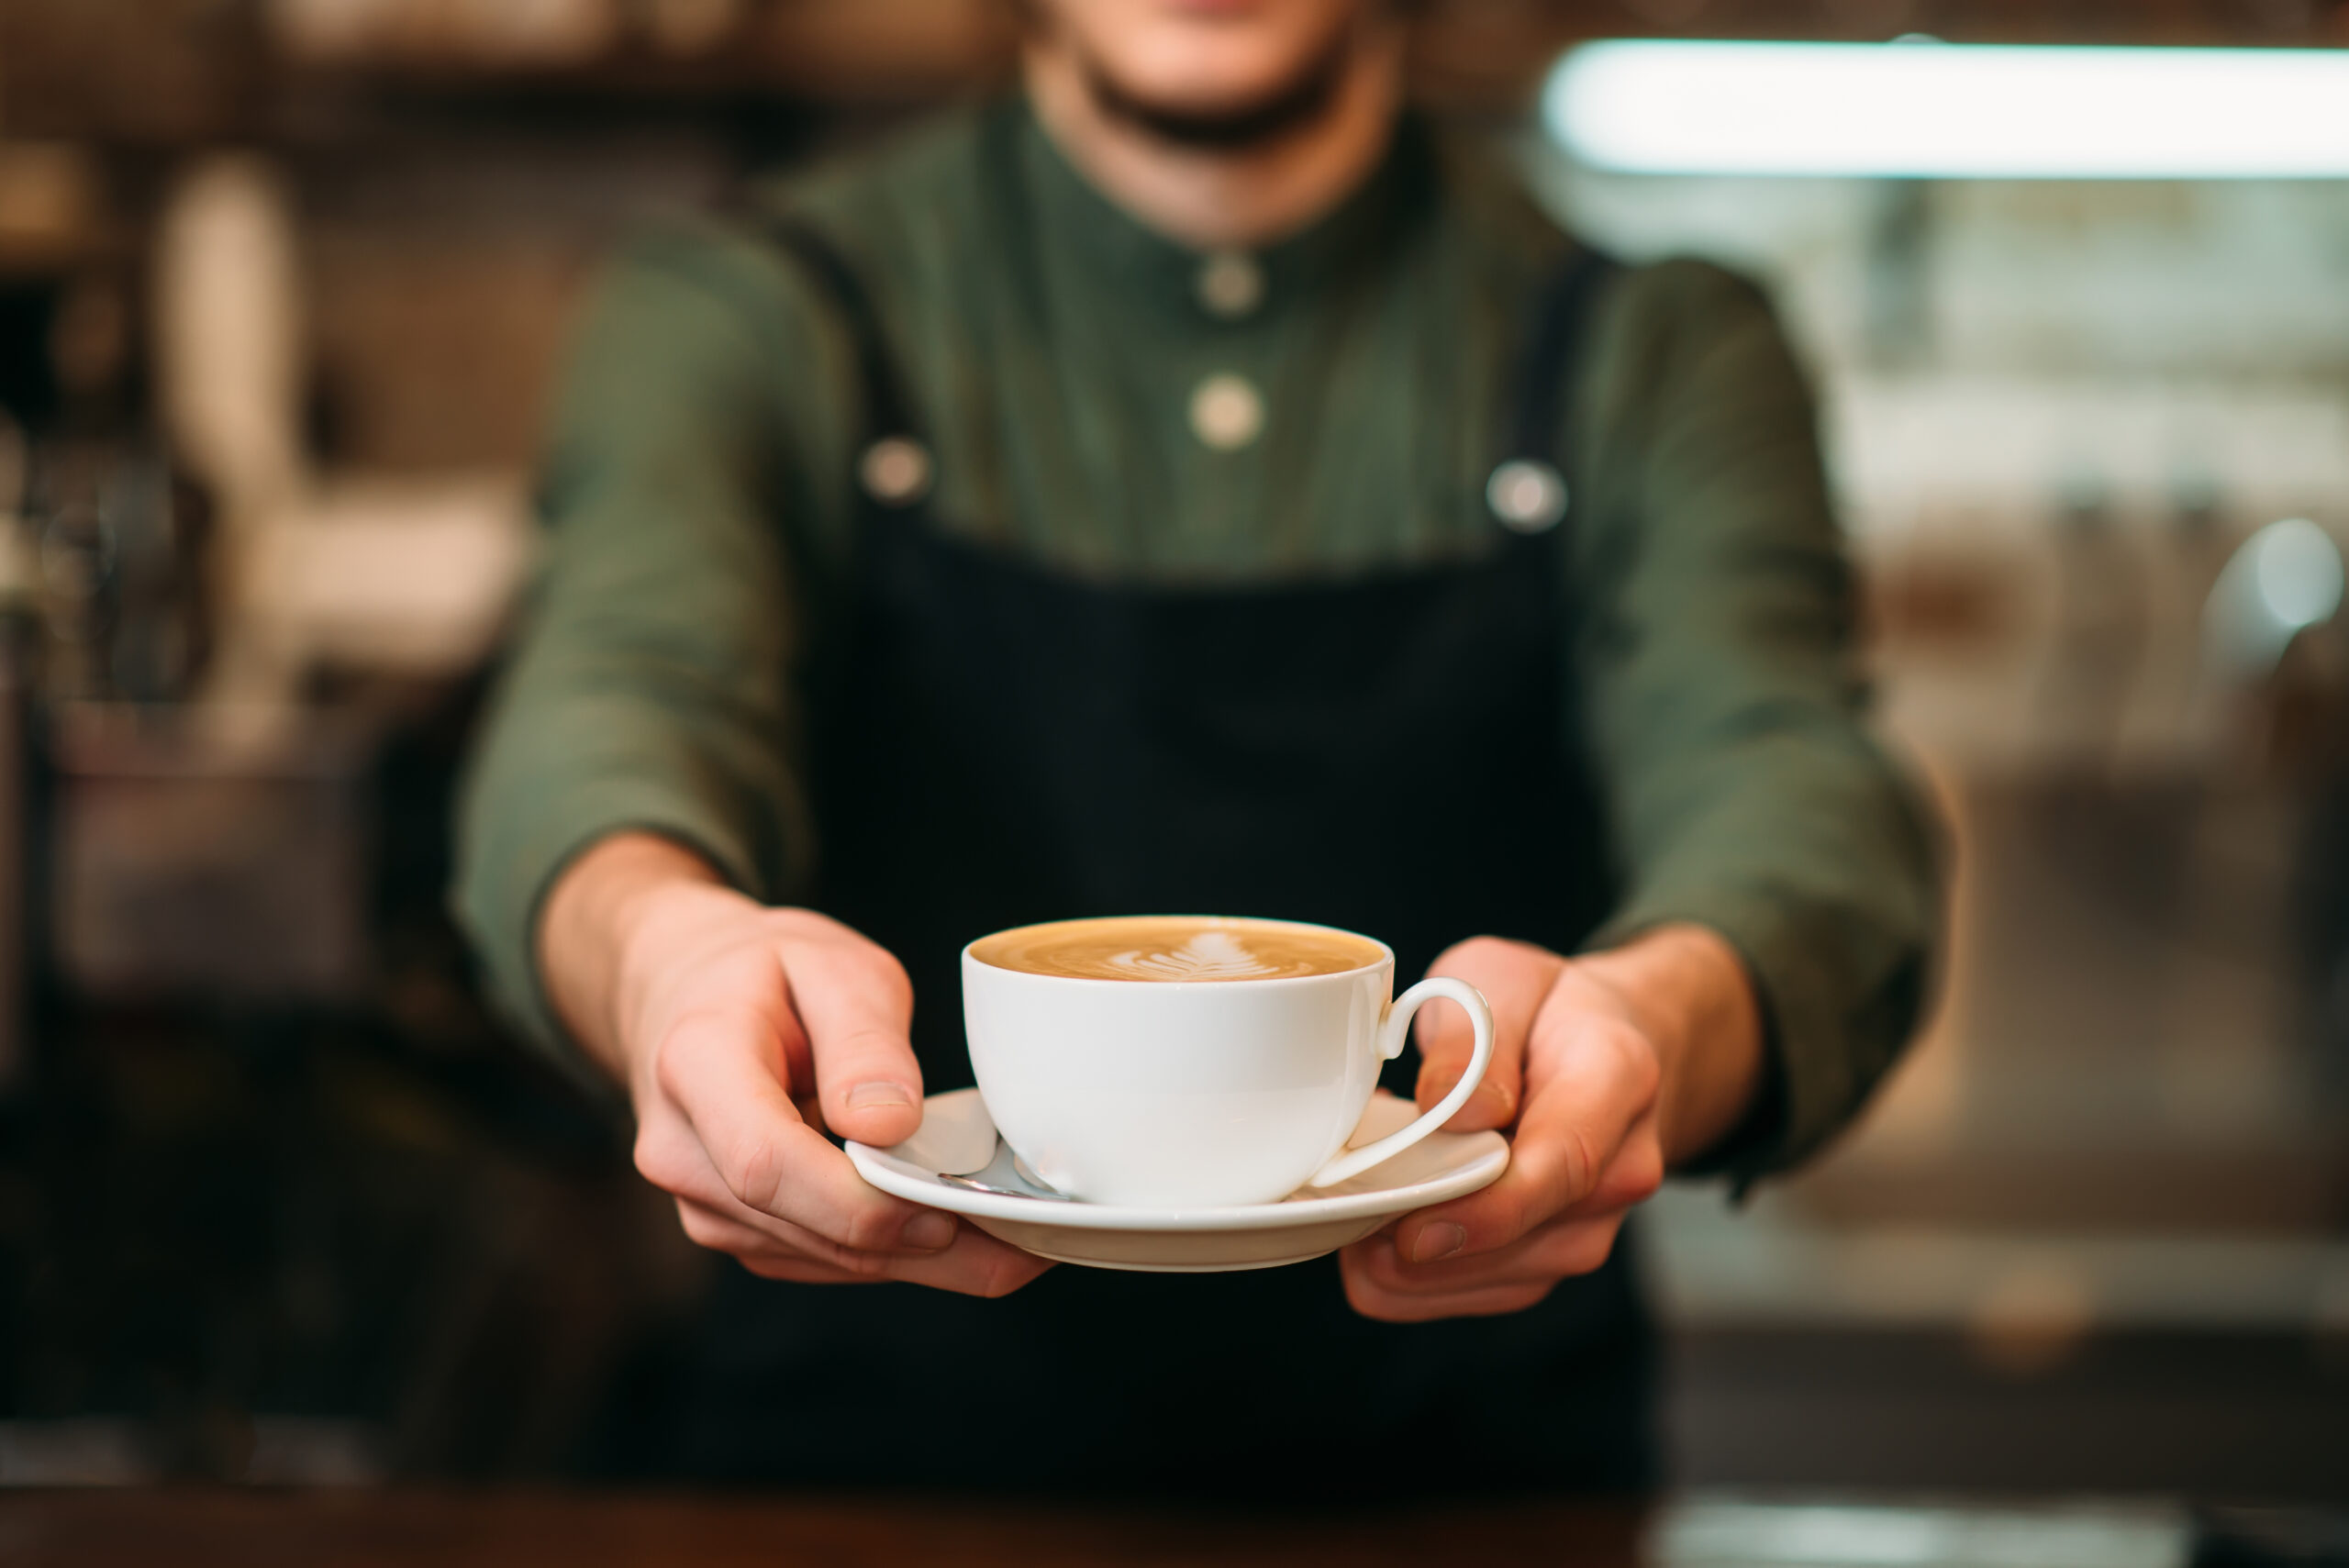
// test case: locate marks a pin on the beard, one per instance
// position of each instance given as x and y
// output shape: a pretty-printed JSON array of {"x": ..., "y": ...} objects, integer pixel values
[{"x": 1272, "y": 116}]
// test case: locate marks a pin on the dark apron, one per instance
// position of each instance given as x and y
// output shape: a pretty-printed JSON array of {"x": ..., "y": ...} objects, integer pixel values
[{"x": 1397, "y": 754}]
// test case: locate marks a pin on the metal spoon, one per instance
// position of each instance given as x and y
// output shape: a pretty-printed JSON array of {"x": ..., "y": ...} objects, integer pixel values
[{"x": 1004, "y": 1174}]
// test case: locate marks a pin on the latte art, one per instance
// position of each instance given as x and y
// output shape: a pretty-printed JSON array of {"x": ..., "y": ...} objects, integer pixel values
[
  {"x": 1209, "y": 955},
  {"x": 1177, "y": 949}
]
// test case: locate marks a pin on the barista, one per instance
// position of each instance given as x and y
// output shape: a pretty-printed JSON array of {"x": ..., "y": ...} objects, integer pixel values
[{"x": 1192, "y": 483}]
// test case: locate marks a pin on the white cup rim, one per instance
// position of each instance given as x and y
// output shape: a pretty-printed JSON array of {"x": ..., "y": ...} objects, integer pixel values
[{"x": 1385, "y": 955}]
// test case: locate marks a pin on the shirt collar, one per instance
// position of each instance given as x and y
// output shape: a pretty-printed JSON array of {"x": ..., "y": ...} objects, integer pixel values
[{"x": 1071, "y": 210}]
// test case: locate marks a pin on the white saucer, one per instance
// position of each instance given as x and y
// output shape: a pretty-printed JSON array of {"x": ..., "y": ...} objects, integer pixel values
[{"x": 957, "y": 1135}]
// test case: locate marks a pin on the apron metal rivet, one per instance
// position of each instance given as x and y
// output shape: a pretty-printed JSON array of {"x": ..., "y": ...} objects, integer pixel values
[
  {"x": 1526, "y": 495},
  {"x": 896, "y": 471}
]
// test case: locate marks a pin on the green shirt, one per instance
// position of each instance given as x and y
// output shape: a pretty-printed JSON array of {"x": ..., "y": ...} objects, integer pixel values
[{"x": 698, "y": 494}]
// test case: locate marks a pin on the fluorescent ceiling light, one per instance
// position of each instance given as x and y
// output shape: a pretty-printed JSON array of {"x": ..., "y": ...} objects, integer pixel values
[{"x": 1952, "y": 111}]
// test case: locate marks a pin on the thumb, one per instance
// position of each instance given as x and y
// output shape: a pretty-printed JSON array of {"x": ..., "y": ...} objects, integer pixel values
[
  {"x": 856, "y": 1004},
  {"x": 1514, "y": 978}
]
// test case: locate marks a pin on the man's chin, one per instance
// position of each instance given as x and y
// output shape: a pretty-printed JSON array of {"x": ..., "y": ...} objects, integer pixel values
[{"x": 1231, "y": 124}]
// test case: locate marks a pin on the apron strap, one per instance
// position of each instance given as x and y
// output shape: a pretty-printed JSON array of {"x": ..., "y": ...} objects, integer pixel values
[
  {"x": 1528, "y": 490},
  {"x": 894, "y": 464},
  {"x": 1553, "y": 354}
]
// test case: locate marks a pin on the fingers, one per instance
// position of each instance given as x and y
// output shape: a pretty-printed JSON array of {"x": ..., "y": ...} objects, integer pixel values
[
  {"x": 747, "y": 1230},
  {"x": 856, "y": 1004},
  {"x": 1379, "y": 1276},
  {"x": 974, "y": 1263},
  {"x": 716, "y": 1068},
  {"x": 1514, "y": 978},
  {"x": 1483, "y": 1303},
  {"x": 783, "y": 1026},
  {"x": 1495, "y": 1303},
  {"x": 759, "y": 1251},
  {"x": 1596, "y": 1105},
  {"x": 1396, "y": 1309}
]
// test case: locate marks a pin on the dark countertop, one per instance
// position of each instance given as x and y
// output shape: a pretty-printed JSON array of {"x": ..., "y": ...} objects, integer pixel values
[{"x": 454, "y": 1529}]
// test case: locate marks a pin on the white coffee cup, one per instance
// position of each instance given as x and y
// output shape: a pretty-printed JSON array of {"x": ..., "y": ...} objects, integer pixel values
[{"x": 1200, "y": 1093}]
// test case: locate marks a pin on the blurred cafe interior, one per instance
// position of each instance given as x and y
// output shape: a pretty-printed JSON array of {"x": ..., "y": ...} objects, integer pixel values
[{"x": 283, "y": 284}]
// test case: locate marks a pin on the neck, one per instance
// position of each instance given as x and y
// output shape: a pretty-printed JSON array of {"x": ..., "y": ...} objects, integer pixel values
[{"x": 1215, "y": 196}]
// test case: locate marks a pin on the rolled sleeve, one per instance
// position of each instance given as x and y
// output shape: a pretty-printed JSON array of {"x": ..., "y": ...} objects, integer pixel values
[{"x": 651, "y": 687}]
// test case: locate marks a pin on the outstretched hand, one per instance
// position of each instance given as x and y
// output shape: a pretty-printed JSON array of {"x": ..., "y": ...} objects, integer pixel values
[
  {"x": 1605, "y": 1070},
  {"x": 742, "y": 1034}
]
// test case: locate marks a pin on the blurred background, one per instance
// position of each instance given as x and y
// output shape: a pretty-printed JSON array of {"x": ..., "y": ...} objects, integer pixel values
[{"x": 283, "y": 286}]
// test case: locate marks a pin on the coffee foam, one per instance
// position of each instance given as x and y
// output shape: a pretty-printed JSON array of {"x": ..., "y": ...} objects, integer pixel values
[
  {"x": 1170, "y": 949},
  {"x": 1207, "y": 955}
]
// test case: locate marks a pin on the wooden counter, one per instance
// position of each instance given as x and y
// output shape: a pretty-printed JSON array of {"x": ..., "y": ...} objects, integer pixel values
[{"x": 382, "y": 1529}]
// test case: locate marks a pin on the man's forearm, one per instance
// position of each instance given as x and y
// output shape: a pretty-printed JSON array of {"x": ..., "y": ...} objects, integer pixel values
[
  {"x": 1690, "y": 992},
  {"x": 585, "y": 925}
]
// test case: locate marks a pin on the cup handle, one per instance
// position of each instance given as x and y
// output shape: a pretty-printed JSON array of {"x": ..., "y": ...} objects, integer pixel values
[{"x": 1391, "y": 1036}]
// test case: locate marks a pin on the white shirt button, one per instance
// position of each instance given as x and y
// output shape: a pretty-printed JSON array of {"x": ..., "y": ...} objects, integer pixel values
[
  {"x": 1527, "y": 497},
  {"x": 1231, "y": 285},
  {"x": 1227, "y": 412}
]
